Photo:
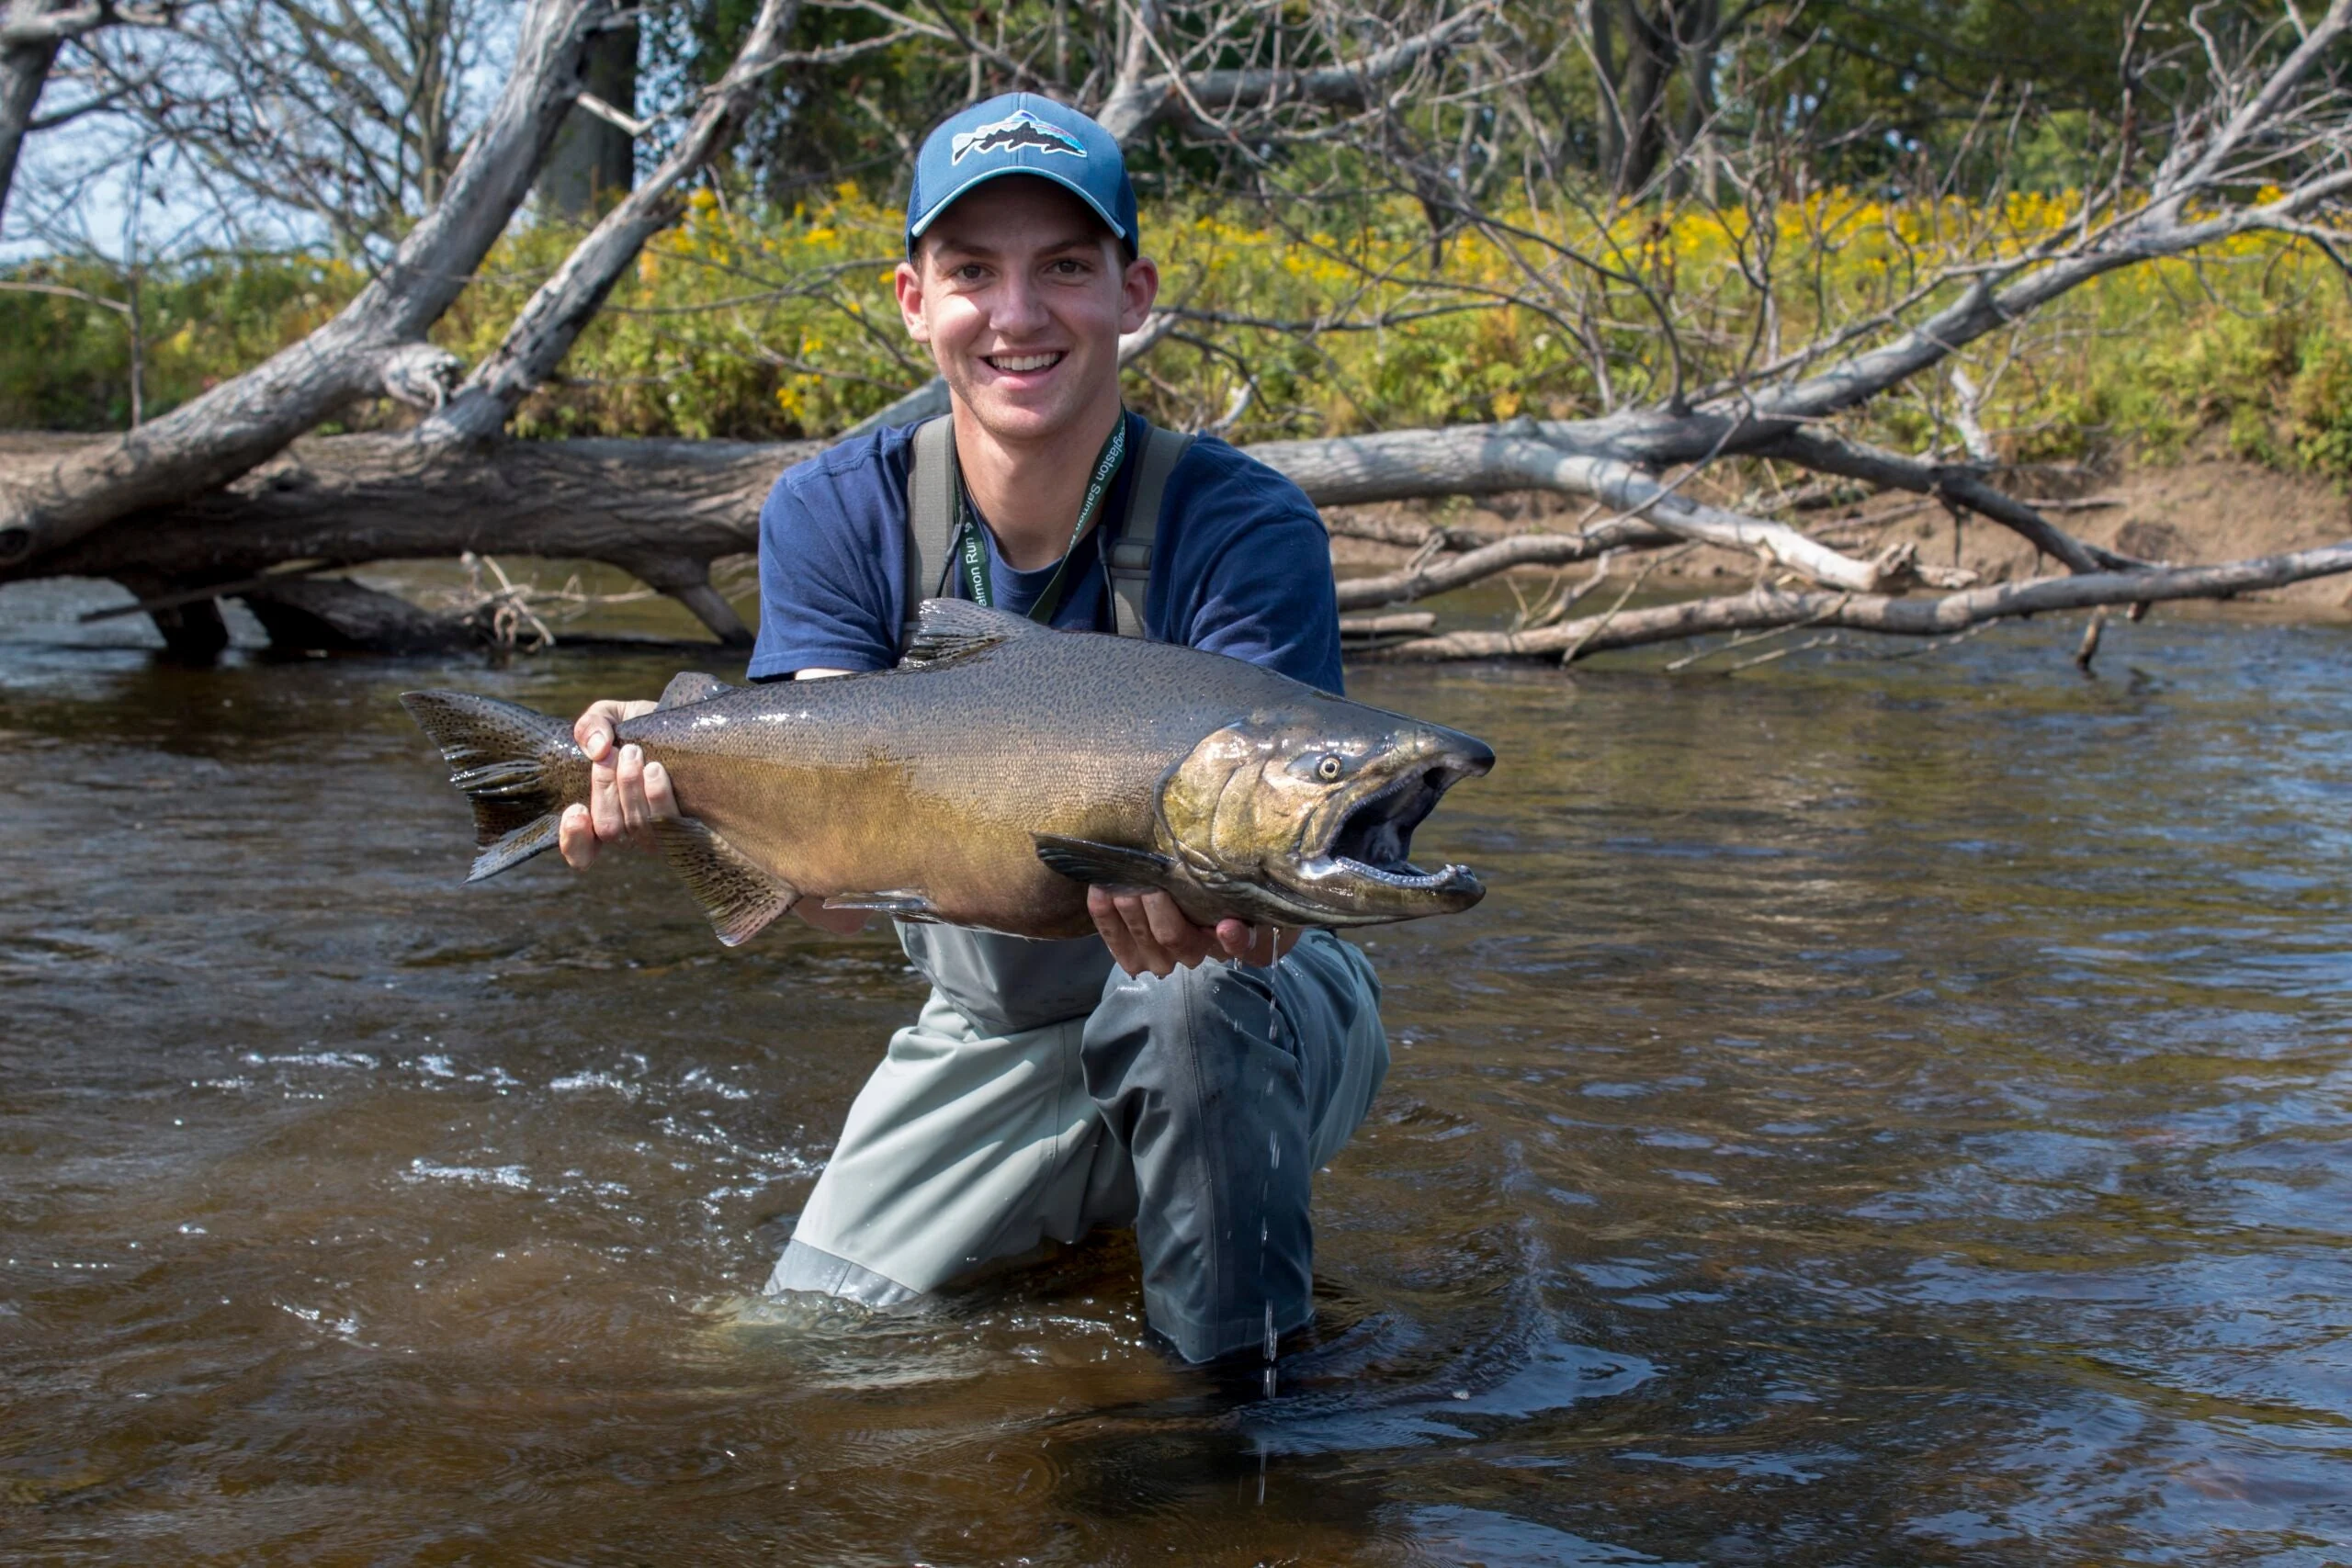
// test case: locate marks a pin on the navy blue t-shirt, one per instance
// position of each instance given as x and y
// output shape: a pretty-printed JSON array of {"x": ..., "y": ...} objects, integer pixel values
[{"x": 1241, "y": 564}]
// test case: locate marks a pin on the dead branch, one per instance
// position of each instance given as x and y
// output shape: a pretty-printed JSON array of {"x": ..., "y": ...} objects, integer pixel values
[
  {"x": 1424, "y": 578},
  {"x": 1204, "y": 102},
  {"x": 1524, "y": 455},
  {"x": 1779, "y": 607}
]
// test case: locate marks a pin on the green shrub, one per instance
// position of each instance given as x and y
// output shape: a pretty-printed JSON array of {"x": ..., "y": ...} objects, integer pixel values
[{"x": 759, "y": 324}]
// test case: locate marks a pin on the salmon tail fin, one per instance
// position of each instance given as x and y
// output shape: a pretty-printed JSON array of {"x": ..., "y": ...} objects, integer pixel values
[{"x": 519, "y": 768}]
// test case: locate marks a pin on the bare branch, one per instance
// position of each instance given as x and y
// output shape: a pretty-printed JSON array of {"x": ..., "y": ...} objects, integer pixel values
[
  {"x": 1956, "y": 483},
  {"x": 1772, "y": 608},
  {"x": 1421, "y": 580}
]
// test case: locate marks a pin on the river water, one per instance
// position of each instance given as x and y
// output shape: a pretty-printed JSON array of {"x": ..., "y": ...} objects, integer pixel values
[{"x": 1886, "y": 1112}]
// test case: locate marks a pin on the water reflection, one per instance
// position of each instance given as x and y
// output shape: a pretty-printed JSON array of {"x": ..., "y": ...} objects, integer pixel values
[{"x": 1884, "y": 1113}]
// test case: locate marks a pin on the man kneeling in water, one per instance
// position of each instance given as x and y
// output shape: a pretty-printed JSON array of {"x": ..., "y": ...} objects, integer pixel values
[{"x": 1183, "y": 1079}]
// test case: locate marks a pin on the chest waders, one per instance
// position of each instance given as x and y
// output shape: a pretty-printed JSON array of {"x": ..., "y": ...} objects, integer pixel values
[{"x": 1012, "y": 983}]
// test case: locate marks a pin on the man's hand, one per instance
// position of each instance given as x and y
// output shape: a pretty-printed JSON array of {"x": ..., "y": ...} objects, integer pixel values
[
  {"x": 1145, "y": 929},
  {"x": 626, "y": 793}
]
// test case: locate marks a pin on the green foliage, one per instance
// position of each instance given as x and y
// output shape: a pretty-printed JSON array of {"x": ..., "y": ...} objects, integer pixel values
[
  {"x": 763, "y": 324},
  {"x": 65, "y": 361}
]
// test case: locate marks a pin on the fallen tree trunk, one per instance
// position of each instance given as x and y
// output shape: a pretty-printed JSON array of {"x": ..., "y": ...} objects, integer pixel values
[
  {"x": 663, "y": 511},
  {"x": 659, "y": 509}
]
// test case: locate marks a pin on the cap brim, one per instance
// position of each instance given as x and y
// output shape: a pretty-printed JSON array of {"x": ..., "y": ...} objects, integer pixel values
[{"x": 918, "y": 226}]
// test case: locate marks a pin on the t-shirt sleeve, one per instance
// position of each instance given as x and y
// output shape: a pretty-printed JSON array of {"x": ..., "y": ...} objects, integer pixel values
[
  {"x": 833, "y": 562},
  {"x": 1250, "y": 575}
]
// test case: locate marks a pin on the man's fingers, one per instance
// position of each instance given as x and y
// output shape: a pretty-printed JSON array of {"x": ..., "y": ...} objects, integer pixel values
[
  {"x": 1246, "y": 944},
  {"x": 1148, "y": 952},
  {"x": 593, "y": 731},
  {"x": 604, "y": 800},
  {"x": 659, "y": 798},
  {"x": 1170, "y": 928},
  {"x": 1112, "y": 929},
  {"x": 628, "y": 783},
  {"x": 575, "y": 838},
  {"x": 1112, "y": 925}
]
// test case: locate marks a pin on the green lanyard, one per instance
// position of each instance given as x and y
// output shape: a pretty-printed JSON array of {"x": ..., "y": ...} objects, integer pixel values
[{"x": 973, "y": 552}]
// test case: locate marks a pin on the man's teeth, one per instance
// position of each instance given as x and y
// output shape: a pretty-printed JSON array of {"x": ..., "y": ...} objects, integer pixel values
[{"x": 1016, "y": 362}]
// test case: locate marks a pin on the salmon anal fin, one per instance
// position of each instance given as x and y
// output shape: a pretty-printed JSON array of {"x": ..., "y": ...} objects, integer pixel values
[
  {"x": 1083, "y": 860},
  {"x": 690, "y": 686},
  {"x": 740, "y": 899},
  {"x": 905, "y": 904}
]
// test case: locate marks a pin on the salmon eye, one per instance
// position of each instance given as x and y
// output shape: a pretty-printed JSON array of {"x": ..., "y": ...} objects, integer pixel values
[{"x": 1330, "y": 767}]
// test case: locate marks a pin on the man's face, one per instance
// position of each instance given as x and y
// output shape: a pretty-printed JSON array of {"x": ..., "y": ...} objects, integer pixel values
[{"x": 1021, "y": 294}]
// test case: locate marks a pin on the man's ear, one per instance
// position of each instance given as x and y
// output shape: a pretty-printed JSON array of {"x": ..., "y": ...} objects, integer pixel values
[
  {"x": 1138, "y": 286},
  {"x": 908, "y": 283}
]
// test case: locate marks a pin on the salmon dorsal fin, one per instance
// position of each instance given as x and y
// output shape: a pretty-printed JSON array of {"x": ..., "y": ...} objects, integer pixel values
[
  {"x": 958, "y": 628},
  {"x": 740, "y": 899},
  {"x": 690, "y": 686}
]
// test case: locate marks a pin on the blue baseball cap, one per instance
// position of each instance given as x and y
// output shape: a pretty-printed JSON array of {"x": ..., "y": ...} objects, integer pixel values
[{"x": 1021, "y": 133}]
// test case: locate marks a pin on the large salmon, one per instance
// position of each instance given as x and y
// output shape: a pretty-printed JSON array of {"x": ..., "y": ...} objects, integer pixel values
[{"x": 989, "y": 777}]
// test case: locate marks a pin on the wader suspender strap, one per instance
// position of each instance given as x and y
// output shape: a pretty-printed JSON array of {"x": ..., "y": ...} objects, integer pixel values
[
  {"x": 931, "y": 516},
  {"x": 1130, "y": 562},
  {"x": 931, "y": 523}
]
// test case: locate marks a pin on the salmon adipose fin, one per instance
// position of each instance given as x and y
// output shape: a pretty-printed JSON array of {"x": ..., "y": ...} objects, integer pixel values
[
  {"x": 740, "y": 899},
  {"x": 519, "y": 768}
]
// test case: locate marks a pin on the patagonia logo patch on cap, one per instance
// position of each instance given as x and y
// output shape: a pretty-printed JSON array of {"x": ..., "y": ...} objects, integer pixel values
[
  {"x": 1021, "y": 134},
  {"x": 1015, "y": 130}
]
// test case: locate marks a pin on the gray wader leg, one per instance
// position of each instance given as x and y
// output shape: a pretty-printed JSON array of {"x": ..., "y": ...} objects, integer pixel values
[
  {"x": 1216, "y": 1091},
  {"x": 1228, "y": 1085},
  {"x": 962, "y": 1148}
]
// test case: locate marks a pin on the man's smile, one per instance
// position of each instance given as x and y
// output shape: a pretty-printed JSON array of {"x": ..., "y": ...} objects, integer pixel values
[{"x": 1024, "y": 364}]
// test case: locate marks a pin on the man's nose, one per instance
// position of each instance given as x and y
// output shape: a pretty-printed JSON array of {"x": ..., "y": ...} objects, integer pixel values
[{"x": 1018, "y": 306}]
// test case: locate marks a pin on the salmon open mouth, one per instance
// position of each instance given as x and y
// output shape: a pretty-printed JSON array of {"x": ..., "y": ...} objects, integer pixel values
[{"x": 1373, "y": 837}]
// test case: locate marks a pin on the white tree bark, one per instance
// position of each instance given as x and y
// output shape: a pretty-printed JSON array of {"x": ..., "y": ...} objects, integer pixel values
[{"x": 1774, "y": 607}]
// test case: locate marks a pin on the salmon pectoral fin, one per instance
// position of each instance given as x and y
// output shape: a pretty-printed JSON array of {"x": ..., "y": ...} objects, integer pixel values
[
  {"x": 692, "y": 686},
  {"x": 1112, "y": 866},
  {"x": 903, "y": 904},
  {"x": 740, "y": 897}
]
